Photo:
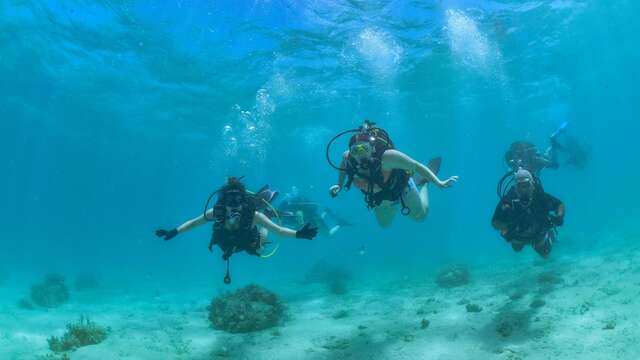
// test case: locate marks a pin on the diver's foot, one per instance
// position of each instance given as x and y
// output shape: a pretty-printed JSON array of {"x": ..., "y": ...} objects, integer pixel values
[{"x": 434, "y": 166}]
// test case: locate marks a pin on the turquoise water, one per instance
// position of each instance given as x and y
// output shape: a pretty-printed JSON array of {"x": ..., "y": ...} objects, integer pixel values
[{"x": 119, "y": 117}]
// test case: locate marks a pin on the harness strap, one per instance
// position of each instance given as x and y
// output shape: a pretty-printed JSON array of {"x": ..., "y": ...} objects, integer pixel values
[
  {"x": 405, "y": 210},
  {"x": 227, "y": 276},
  {"x": 370, "y": 197}
]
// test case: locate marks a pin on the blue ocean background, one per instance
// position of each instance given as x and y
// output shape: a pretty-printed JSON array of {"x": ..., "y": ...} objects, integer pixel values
[{"x": 120, "y": 117}]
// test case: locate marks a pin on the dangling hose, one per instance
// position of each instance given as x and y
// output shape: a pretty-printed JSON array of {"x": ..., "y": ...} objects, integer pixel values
[
  {"x": 405, "y": 210},
  {"x": 227, "y": 276},
  {"x": 502, "y": 189},
  {"x": 268, "y": 204},
  {"x": 206, "y": 206},
  {"x": 331, "y": 143}
]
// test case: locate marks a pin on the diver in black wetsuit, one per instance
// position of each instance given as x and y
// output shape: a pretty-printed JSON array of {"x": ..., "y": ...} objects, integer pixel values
[
  {"x": 238, "y": 223},
  {"x": 528, "y": 215},
  {"x": 523, "y": 154}
]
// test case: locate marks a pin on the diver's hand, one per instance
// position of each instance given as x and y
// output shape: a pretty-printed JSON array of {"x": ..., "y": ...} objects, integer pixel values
[
  {"x": 334, "y": 190},
  {"x": 557, "y": 220},
  {"x": 307, "y": 232},
  {"x": 448, "y": 183},
  {"x": 167, "y": 234}
]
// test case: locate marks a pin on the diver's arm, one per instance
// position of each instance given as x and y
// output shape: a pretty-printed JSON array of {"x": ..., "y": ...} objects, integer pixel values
[
  {"x": 558, "y": 219},
  {"x": 195, "y": 222},
  {"x": 343, "y": 165},
  {"x": 307, "y": 232},
  {"x": 335, "y": 189},
  {"x": 170, "y": 234},
  {"x": 499, "y": 217},
  {"x": 394, "y": 159},
  {"x": 554, "y": 204},
  {"x": 548, "y": 160},
  {"x": 560, "y": 210},
  {"x": 262, "y": 220}
]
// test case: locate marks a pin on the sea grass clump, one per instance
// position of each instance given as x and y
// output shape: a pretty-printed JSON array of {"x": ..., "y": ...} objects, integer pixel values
[
  {"x": 537, "y": 303},
  {"x": 474, "y": 308},
  {"x": 51, "y": 293},
  {"x": 249, "y": 309},
  {"x": 83, "y": 333},
  {"x": 453, "y": 276},
  {"x": 509, "y": 322}
]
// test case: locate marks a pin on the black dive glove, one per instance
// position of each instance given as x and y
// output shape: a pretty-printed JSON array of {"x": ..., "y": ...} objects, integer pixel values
[
  {"x": 167, "y": 235},
  {"x": 557, "y": 220},
  {"x": 307, "y": 232}
]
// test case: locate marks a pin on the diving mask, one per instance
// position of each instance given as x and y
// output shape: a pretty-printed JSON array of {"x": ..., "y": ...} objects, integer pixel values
[
  {"x": 233, "y": 199},
  {"x": 361, "y": 149}
]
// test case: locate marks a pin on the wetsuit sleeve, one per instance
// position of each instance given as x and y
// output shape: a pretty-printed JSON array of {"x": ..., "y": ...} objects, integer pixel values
[
  {"x": 551, "y": 202},
  {"x": 501, "y": 215}
]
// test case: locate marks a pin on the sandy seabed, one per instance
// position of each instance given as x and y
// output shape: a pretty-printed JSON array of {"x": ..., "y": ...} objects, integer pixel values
[{"x": 569, "y": 307}]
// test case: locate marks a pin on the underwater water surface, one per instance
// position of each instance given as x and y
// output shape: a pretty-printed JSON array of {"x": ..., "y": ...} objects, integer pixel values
[{"x": 121, "y": 117}]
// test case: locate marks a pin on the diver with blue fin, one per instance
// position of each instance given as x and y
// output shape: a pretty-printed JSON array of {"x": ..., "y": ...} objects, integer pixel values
[
  {"x": 240, "y": 222},
  {"x": 385, "y": 175},
  {"x": 523, "y": 154},
  {"x": 526, "y": 214}
]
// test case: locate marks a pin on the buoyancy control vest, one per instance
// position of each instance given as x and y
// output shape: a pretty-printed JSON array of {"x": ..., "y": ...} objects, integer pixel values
[{"x": 395, "y": 184}]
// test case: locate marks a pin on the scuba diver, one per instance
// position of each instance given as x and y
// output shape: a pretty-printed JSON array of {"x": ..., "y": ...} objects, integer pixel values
[
  {"x": 385, "y": 175},
  {"x": 528, "y": 215},
  {"x": 298, "y": 210},
  {"x": 236, "y": 216},
  {"x": 523, "y": 154}
]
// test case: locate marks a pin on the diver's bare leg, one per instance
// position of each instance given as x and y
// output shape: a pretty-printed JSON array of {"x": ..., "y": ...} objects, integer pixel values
[
  {"x": 417, "y": 201},
  {"x": 385, "y": 214}
]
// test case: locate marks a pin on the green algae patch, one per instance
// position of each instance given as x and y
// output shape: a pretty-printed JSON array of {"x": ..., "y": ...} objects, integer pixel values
[
  {"x": 249, "y": 309},
  {"x": 50, "y": 293},
  {"x": 82, "y": 333}
]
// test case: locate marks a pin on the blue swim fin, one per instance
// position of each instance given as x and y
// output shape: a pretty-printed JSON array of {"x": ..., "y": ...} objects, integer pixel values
[{"x": 559, "y": 130}]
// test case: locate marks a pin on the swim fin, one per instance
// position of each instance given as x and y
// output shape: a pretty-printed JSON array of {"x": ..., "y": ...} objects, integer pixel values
[
  {"x": 559, "y": 130},
  {"x": 434, "y": 166},
  {"x": 267, "y": 194}
]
